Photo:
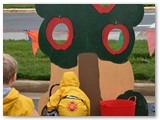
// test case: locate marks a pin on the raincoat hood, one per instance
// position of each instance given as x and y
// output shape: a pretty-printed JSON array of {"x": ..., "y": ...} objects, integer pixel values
[
  {"x": 69, "y": 79},
  {"x": 69, "y": 99},
  {"x": 10, "y": 100}
]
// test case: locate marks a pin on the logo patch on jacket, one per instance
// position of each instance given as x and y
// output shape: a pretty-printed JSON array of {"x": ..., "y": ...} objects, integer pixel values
[{"x": 72, "y": 106}]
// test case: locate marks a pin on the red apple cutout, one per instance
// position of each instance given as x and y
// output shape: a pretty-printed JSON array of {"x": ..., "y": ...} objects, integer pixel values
[
  {"x": 50, "y": 27},
  {"x": 106, "y": 32},
  {"x": 102, "y": 9}
]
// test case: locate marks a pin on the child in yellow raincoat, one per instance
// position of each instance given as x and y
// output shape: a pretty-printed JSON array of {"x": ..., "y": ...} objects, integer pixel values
[
  {"x": 14, "y": 104},
  {"x": 69, "y": 99}
]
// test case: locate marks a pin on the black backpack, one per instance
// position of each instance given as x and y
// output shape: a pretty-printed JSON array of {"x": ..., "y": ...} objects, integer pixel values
[{"x": 141, "y": 103}]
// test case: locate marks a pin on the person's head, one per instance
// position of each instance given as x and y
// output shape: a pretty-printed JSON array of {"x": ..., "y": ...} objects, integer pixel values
[
  {"x": 9, "y": 69},
  {"x": 69, "y": 79}
]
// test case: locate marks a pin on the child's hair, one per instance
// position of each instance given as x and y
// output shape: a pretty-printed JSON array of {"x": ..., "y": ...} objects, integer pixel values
[{"x": 9, "y": 68}]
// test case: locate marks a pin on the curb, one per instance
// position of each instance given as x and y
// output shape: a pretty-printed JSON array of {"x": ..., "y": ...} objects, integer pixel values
[
  {"x": 32, "y": 10},
  {"x": 147, "y": 89},
  {"x": 149, "y": 8},
  {"x": 16, "y": 10}
]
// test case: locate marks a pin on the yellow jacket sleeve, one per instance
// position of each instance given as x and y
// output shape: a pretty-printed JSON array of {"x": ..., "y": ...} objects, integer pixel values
[
  {"x": 87, "y": 103},
  {"x": 53, "y": 101}
]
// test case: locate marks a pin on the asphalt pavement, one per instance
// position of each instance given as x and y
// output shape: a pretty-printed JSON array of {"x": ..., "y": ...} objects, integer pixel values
[
  {"x": 36, "y": 96},
  {"x": 13, "y": 24},
  {"x": 35, "y": 89}
]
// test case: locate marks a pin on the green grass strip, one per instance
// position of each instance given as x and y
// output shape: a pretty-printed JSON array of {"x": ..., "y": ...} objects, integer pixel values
[{"x": 38, "y": 67}]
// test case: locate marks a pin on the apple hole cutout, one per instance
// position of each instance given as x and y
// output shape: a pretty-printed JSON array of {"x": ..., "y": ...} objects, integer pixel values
[
  {"x": 103, "y": 8},
  {"x": 58, "y": 38},
  {"x": 115, "y": 39},
  {"x": 60, "y": 33},
  {"x": 107, "y": 33}
]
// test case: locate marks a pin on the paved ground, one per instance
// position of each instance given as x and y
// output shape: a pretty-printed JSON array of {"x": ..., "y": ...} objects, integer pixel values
[
  {"x": 36, "y": 96},
  {"x": 140, "y": 35},
  {"x": 35, "y": 89},
  {"x": 151, "y": 113}
]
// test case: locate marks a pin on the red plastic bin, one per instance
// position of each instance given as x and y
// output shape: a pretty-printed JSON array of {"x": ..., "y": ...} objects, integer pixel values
[{"x": 119, "y": 107}]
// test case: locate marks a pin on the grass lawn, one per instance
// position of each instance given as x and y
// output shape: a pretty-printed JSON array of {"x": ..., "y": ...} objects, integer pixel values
[
  {"x": 143, "y": 65},
  {"x": 33, "y": 5},
  {"x": 38, "y": 67},
  {"x": 29, "y": 66},
  {"x": 18, "y": 6}
]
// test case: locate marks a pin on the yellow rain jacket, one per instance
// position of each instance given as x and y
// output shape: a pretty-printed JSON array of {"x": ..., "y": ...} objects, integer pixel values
[
  {"x": 69, "y": 100},
  {"x": 15, "y": 104}
]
